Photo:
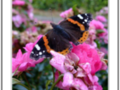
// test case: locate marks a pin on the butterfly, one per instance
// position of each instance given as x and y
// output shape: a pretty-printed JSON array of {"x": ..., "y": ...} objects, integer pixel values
[{"x": 73, "y": 29}]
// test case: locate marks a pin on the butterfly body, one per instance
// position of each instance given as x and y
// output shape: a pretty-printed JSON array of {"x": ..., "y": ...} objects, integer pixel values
[{"x": 73, "y": 29}]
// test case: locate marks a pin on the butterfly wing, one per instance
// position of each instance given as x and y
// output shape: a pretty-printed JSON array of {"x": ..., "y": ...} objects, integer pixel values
[
  {"x": 57, "y": 42},
  {"x": 72, "y": 29},
  {"x": 77, "y": 27},
  {"x": 39, "y": 50},
  {"x": 50, "y": 41}
]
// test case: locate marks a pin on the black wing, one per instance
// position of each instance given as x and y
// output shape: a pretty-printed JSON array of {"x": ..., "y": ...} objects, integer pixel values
[
  {"x": 77, "y": 27},
  {"x": 57, "y": 42}
]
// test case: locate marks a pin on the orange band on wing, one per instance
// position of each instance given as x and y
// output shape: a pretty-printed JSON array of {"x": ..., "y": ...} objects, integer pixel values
[
  {"x": 84, "y": 37},
  {"x": 46, "y": 44},
  {"x": 64, "y": 52},
  {"x": 76, "y": 22},
  {"x": 48, "y": 47}
]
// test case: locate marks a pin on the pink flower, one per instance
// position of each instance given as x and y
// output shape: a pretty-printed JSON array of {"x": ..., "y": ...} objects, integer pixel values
[
  {"x": 104, "y": 33},
  {"x": 70, "y": 82},
  {"x": 78, "y": 73},
  {"x": 30, "y": 46},
  {"x": 96, "y": 24},
  {"x": 101, "y": 18},
  {"x": 18, "y": 2},
  {"x": 91, "y": 37},
  {"x": 67, "y": 13},
  {"x": 104, "y": 50},
  {"x": 32, "y": 29},
  {"x": 30, "y": 1},
  {"x": 30, "y": 12},
  {"x": 87, "y": 54},
  {"x": 58, "y": 61},
  {"x": 23, "y": 60},
  {"x": 17, "y": 19}
]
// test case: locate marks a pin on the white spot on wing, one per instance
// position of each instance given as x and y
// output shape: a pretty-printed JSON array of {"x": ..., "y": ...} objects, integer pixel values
[
  {"x": 40, "y": 53},
  {"x": 85, "y": 20},
  {"x": 37, "y": 47},
  {"x": 43, "y": 51},
  {"x": 80, "y": 16},
  {"x": 32, "y": 52}
]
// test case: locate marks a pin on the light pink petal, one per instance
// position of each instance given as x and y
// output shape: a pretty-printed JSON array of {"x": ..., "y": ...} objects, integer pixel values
[
  {"x": 104, "y": 50},
  {"x": 58, "y": 61},
  {"x": 67, "y": 79},
  {"x": 73, "y": 56},
  {"x": 104, "y": 66},
  {"x": 95, "y": 78},
  {"x": 80, "y": 73},
  {"x": 86, "y": 67},
  {"x": 78, "y": 84},
  {"x": 101, "y": 18},
  {"x": 96, "y": 24}
]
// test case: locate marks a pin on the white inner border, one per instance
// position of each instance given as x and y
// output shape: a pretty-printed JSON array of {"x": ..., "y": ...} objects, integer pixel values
[
  {"x": 113, "y": 58},
  {"x": 113, "y": 55},
  {"x": 7, "y": 45}
]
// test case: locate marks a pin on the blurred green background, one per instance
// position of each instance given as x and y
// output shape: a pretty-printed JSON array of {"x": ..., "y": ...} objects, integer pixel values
[{"x": 89, "y": 6}]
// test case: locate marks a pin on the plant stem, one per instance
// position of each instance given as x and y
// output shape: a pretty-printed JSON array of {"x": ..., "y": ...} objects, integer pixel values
[
  {"x": 27, "y": 81},
  {"x": 24, "y": 86},
  {"x": 53, "y": 74},
  {"x": 59, "y": 78}
]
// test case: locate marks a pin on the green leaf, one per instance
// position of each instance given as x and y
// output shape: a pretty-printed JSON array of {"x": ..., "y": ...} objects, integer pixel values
[
  {"x": 99, "y": 31},
  {"x": 75, "y": 10},
  {"x": 15, "y": 81},
  {"x": 98, "y": 43},
  {"x": 15, "y": 71}
]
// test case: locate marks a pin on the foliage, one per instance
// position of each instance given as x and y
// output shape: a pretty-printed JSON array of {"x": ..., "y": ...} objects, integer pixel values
[{"x": 89, "y": 6}]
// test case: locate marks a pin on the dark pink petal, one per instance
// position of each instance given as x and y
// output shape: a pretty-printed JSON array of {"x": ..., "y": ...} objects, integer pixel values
[
  {"x": 19, "y": 54},
  {"x": 24, "y": 66},
  {"x": 29, "y": 47}
]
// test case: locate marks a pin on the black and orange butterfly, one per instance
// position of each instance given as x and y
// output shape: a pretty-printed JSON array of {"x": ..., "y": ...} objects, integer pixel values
[{"x": 73, "y": 29}]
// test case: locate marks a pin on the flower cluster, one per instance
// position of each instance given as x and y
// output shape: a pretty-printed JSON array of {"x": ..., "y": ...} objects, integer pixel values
[
  {"x": 67, "y": 13},
  {"x": 23, "y": 61},
  {"x": 79, "y": 68},
  {"x": 22, "y": 14}
]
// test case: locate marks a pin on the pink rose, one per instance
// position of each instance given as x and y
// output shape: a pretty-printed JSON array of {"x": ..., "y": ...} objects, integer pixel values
[
  {"x": 18, "y": 2},
  {"x": 67, "y": 13},
  {"x": 101, "y": 18},
  {"x": 17, "y": 19},
  {"x": 96, "y": 24},
  {"x": 88, "y": 55}
]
